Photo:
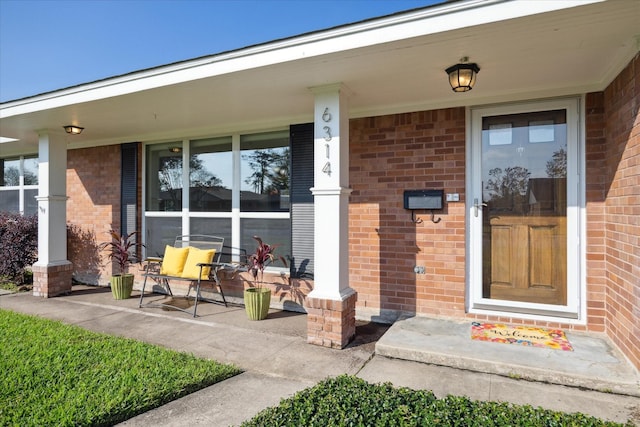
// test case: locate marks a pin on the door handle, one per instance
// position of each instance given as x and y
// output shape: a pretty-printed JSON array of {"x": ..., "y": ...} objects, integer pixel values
[{"x": 477, "y": 205}]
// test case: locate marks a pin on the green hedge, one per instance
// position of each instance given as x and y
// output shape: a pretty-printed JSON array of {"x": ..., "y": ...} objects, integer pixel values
[
  {"x": 350, "y": 401},
  {"x": 53, "y": 374}
]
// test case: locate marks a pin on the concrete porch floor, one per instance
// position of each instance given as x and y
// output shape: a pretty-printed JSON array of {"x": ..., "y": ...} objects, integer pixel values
[
  {"x": 594, "y": 363},
  {"x": 419, "y": 353}
]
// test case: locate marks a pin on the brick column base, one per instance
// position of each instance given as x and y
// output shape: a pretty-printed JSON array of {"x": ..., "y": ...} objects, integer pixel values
[
  {"x": 52, "y": 280},
  {"x": 331, "y": 323}
]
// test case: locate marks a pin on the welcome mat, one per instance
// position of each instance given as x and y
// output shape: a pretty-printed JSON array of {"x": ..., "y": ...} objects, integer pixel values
[{"x": 522, "y": 335}]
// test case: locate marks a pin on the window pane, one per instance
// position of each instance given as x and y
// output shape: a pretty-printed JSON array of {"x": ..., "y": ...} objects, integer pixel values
[
  {"x": 164, "y": 177},
  {"x": 30, "y": 171},
  {"x": 11, "y": 173},
  {"x": 264, "y": 172},
  {"x": 30, "y": 202},
  {"x": 161, "y": 232},
  {"x": 271, "y": 231},
  {"x": 220, "y": 227},
  {"x": 210, "y": 175},
  {"x": 9, "y": 201}
]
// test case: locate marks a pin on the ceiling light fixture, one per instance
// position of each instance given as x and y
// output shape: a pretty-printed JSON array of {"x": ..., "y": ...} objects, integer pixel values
[
  {"x": 73, "y": 130},
  {"x": 462, "y": 76},
  {"x": 175, "y": 149}
]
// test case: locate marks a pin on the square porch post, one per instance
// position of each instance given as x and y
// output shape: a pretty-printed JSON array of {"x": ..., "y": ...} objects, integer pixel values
[
  {"x": 331, "y": 304},
  {"x": 52, "y": 272}
]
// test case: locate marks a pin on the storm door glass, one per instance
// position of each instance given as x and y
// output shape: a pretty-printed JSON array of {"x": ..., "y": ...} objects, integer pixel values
[{"x": 524, "y": 207}]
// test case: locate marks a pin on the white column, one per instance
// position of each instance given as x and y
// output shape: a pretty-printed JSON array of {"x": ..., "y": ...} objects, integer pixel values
[
  {"x": 52, "y": 199},
  {"x": 331, "y": 193}
]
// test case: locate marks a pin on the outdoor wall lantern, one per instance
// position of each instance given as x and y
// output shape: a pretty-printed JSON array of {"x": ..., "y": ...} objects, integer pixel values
[
  {"x": 73, "y": 130},
  {"x": 462, "y": 76}
]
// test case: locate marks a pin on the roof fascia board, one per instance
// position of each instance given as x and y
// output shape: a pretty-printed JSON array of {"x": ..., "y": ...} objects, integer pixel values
[{"x": 424, "y": 22}]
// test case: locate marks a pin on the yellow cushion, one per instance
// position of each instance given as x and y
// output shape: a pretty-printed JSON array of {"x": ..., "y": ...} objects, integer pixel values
[
  {"x": 173, "y": 261},
  {"x": 196, "y": 256}
]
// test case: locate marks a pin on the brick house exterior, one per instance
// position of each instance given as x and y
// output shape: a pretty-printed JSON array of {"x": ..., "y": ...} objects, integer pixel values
[
  {"x": 395, "y": 152},
  {"x": 388, "y": 154}
]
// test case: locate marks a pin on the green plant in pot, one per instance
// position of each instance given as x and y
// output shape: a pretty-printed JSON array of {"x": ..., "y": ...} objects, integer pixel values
[
  {"x": 258, "y": 297},
  {"x": 121, "y": 250}
]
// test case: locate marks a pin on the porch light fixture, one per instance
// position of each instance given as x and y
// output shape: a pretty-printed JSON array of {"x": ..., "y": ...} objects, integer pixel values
[
  {"x": 73, "y": 130},
  {"x": 175, "y": 149},
  {"x": 462, "y": 76}
]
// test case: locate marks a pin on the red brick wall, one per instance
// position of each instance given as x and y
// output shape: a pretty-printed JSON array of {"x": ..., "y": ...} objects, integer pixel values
[
  {"x": 390, "y": 154},
  {"x": 595, "y": 145},
  {"x": 622, "y": 210},
  {"x": 93, "y": 208}
]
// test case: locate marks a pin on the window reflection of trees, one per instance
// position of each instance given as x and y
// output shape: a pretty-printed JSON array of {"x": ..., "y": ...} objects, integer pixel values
[
  {"x": 512, "y": 189},
  {"x": 270, "y": 170},
  {"x": 206, "y": 190},
  {"x": 507, "y": 188},
  {"x": 11, "y": 175},
  {"x": 170, "y": 180},
  {"x": 557, "y": 166},
  {"x": 268, "y": 178}
]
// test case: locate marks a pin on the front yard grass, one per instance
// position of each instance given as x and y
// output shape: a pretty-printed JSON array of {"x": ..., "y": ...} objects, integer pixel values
[{"x": 56, "y": 374}]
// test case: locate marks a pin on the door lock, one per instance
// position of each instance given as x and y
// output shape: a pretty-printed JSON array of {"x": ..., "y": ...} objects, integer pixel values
[{"x": 477, "y": 205}]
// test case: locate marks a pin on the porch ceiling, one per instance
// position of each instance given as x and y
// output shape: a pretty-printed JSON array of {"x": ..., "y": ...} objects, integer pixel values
[{"x": 569, "y": 51}]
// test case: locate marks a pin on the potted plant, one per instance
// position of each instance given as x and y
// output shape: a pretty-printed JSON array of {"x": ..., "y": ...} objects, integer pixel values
[
  {"x": 120, "y": 250},
  {"x": 258, "y": 298}
]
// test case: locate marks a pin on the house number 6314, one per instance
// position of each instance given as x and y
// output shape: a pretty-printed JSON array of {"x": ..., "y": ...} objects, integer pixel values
[{"x": 326, "y": 117}]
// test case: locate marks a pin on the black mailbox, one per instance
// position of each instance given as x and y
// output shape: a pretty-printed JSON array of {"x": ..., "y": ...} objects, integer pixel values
[{"x": 423, "y": 199}]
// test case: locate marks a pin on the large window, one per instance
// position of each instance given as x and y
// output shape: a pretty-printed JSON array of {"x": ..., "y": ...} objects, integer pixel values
[
  {"x": 19, "y": 185},
  {"x": 238, "y": 188}
]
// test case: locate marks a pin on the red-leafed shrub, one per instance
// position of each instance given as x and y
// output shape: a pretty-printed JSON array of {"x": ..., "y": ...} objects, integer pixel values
[{"x": 18, "y": 245}]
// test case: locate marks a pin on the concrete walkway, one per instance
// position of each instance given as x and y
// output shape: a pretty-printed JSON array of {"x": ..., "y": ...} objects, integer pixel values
[{"x": 419, "y": 353}]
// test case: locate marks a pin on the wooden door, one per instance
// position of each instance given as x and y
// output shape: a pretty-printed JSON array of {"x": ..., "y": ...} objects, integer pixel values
[{"x": 528, "y": 259}]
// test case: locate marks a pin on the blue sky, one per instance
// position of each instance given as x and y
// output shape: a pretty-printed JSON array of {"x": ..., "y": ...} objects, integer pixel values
[{"x": 47, "y": 45}]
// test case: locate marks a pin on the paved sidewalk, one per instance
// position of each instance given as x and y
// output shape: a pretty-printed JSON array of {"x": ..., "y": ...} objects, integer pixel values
[{"x": 278, "y": 362}]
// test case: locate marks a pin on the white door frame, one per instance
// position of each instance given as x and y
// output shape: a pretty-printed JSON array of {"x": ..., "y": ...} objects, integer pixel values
[{"x": 575, "y": 309}]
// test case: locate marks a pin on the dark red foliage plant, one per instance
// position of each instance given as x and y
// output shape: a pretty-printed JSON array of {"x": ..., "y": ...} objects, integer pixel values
[
  {"x": 263, "y": 256},
  {"x": 18, "y": 245},
  {"x": 122, "y": 249}
]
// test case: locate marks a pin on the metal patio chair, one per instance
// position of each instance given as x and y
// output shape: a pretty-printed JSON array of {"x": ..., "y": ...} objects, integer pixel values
[{"x": 200, "y": 258}]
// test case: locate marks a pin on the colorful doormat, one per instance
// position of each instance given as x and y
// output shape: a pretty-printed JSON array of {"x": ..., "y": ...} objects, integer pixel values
[{"x": 522, "y": 335}]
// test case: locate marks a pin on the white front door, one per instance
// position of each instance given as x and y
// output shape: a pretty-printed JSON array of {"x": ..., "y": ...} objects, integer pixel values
[{"x": 524, "y": 200}]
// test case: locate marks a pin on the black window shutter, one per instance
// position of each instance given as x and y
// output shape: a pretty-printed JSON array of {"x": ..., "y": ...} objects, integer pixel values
[
  {"x": 301, "y": 137},
  {"x": 129, "y": 188}
]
